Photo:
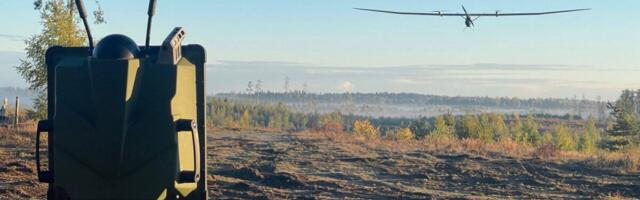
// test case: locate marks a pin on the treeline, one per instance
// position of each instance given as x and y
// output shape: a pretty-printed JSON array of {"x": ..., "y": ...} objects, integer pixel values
[
  {"x": 564, "y": 132},
  {"x": 234, "y": 114},
  {"x": 413, "y": 99},
  {"x": 488, "y": 127}
]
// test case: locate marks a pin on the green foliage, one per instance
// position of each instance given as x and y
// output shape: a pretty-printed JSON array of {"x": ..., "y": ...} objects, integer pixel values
[
  {"x": 547, "y": 138},
  {"x": 450, "y": 121},
  {"x": 486, "y": 129},
  {"x": 470, "y": 127},
  {"x": 420, "y": 127},
  {"x": 500, "y": 129},
  {"x": 562, "y": 138},
  {"x": 530, "y": 128},
  {"x": 517, "y": 132},
  {"x": 589, "y": 137},
  {"x": 225, "y": 113},
  {"x": 412, "y": 99},
  {"x": 59, "y": 28},
  {"x": 441, "y": 129},
  {"x": 625, "y": 130}
]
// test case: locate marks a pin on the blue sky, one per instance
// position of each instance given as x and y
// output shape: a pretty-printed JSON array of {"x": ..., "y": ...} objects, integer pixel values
[{"x": 330, "y": 34}]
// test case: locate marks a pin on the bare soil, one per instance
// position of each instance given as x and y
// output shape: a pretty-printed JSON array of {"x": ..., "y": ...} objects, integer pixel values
[{"x": 304, "y": 166}]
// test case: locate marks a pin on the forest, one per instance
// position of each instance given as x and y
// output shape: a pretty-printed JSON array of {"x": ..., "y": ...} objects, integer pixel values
[
  {"x": 568, "y": 132},
  {"x": 413, "y": 105},
  {"x": 411, "y": 99}
]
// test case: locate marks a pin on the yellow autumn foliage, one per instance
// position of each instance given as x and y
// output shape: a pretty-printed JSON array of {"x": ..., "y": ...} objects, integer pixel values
[
  {"x": 403, "y": 134},
  {"x": 366, "y": 129}
]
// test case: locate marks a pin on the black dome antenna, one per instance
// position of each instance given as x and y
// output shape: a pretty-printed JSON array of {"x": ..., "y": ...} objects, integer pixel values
[{"x": 83, "y": 14}]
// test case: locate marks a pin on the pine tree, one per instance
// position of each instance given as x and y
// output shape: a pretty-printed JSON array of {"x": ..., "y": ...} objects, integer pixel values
[
  {"x": 486, "y": 130},
  {"x": 451, "y": 121},
  {"x": 420, "y": 127},
  {"x": 531, "y": 129},
  {"x": 441, "y": 129},
  {"x": 499, "y": 127},
  {"x": 547, "y": 138},
  {"x": 625, "y": 130},
  {"x": 471, "y": 127},
  {"x": 517, "y": 132},
  {"x": 589, "y": 138},
  {"x": 562, "y": 138}
]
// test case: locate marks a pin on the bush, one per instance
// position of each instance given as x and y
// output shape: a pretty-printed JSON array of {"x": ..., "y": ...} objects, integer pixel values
[
  {"x": 403, "y": 134},
  {"x": 366, "y": 129},
  {"x": 334, "y": 127}
]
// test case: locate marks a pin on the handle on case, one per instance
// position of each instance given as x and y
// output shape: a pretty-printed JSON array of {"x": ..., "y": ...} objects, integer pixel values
[
  {"x": 189, "y": 176},
  {"x": 43, "y": 126}
]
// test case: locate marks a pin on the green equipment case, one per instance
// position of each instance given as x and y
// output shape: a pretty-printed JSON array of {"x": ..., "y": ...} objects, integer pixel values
[{"x": 129, "y": 128}]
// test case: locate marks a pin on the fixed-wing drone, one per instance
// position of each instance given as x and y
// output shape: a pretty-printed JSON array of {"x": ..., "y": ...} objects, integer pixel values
[{"x": 468, "y": 21}]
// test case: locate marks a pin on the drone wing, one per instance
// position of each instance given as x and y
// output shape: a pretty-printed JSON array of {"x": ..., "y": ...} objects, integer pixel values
[
  {"x": 413, "y": 13},
  {"x": 530, "y": 13},
  {"x": 472, "y": 14}
]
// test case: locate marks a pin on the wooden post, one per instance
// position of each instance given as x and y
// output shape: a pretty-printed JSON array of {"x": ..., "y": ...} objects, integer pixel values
[{"x": 17, "y": 115}]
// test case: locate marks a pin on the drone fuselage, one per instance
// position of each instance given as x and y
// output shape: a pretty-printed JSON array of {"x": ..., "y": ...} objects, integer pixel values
[{"x": 468, "y": 21}]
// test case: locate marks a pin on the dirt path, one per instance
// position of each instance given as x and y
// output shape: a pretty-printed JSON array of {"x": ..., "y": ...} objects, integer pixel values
[
  {"x": 272, "y": 165},
  {"x": 294, "y": 166}
]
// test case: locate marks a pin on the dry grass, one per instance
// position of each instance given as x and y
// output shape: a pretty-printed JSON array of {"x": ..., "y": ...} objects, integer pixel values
[
  {"x": 439, "y": 144},
  {"x": 624, "y": 161},
  {"x": 215, "y": 129},
  {"x": 615, "y": 196},
  {"x": 12, "y": 137},
  {"x": 627, "y": 160}
]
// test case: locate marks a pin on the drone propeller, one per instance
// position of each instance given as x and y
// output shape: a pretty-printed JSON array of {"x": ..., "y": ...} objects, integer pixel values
[
  {"x": 465, "y": 11},
  {"x": 498, "y": 12}
]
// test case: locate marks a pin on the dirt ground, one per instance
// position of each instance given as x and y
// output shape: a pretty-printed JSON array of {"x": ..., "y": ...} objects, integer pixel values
[
  {"x": 304, "y": 166},
  {"x": 280, "y": 165}
]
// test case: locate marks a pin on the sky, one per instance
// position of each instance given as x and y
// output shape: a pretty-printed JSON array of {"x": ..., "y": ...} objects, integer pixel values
[{"x": 335, "y": 48}]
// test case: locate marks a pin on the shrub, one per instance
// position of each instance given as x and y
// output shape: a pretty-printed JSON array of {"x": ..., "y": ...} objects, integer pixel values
[
  {"x": 403, "y": 134},
  {"x": 245, "y": 121},
  {"x": 366, "y": 129},
  {"x": 334, "y": 127},
  {"x": 562, "y": 138}
]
